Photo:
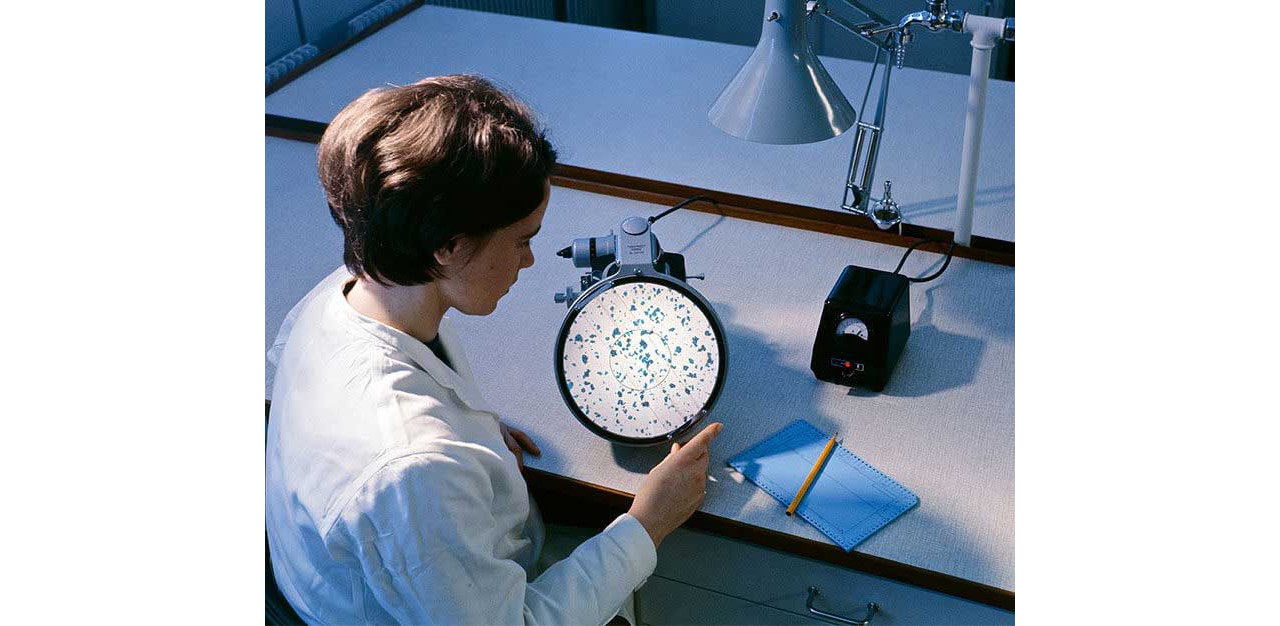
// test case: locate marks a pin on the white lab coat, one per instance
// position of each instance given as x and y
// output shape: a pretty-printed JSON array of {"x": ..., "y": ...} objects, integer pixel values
[{"x": 391, "y": 497}]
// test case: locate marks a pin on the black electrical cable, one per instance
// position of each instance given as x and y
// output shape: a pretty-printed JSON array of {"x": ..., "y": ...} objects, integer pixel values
[
  {"x": 688, "y": 201},
  {"x": 898, "y": 270}
]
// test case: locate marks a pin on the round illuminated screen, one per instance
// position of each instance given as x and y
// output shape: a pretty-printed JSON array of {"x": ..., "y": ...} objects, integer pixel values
[{"x": 640, "y": 360}]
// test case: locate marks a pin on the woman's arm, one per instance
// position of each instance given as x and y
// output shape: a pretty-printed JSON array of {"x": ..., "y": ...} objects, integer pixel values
[{"x": 424, "y": 532}]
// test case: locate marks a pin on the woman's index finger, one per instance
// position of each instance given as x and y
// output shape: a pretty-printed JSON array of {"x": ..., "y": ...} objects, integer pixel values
[{"x": 703, "y": 439}]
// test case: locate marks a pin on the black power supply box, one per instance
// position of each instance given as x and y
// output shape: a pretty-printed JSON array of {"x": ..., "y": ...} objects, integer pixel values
[{"x": 864, "y": 327}]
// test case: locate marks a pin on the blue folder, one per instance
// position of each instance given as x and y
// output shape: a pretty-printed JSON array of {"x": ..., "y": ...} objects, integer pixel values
[{"x": 848, "y": 501}]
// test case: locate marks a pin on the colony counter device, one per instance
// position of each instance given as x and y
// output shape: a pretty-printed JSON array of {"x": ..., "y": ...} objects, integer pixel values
[{"x": 641, "y": 356}]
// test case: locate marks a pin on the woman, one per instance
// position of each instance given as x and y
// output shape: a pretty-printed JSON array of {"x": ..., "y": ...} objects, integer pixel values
[{"x": 393, "y": 492}]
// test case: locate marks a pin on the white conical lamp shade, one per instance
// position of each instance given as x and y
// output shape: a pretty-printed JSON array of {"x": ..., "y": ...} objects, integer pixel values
[{"x": 782, "y": 95}]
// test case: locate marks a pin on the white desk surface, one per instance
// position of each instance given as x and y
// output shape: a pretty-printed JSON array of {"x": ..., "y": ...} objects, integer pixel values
[
  {"x": 943, "y": 427},
  {"x": 636, "y": 104}
]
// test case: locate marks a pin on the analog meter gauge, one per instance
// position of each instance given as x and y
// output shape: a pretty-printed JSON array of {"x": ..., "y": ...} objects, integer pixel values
[{"x": 852, "y": 326}]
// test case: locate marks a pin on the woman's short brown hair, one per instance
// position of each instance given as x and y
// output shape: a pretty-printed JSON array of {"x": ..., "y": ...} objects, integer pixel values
[{"x": 407, "y": 169}]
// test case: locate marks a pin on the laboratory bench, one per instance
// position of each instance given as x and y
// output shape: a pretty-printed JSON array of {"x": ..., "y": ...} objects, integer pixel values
[
  {"x": 628, "y": 113},
  {"x": 943, "y": 427}
]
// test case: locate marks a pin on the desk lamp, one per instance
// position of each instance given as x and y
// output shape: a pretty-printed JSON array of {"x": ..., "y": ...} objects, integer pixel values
[{"x": 783, "y": 95}]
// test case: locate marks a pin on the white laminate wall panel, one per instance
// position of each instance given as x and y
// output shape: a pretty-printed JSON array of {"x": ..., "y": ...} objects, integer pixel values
[{"x": 636, "y": 103}]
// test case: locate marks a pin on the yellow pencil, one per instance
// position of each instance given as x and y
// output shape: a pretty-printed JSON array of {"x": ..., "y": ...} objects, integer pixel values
[{"x": 813, "y": 473}]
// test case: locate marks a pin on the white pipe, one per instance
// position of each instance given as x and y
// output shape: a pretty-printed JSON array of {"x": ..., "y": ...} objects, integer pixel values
[{"x": 986, "y": 32}]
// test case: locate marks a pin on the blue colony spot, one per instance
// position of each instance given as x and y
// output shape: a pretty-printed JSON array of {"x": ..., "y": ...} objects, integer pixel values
[
  {"x": 677, "y": 349},
  {"x": 616, "y": 332},
  {"x": 577, "y": 337},
  {"x": 584, "y": 359}
]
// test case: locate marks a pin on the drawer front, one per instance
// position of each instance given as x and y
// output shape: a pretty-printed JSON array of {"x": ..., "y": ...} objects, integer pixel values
[
  {"x": 781, "y": 581},
  {"x": 664, "y": 601}
]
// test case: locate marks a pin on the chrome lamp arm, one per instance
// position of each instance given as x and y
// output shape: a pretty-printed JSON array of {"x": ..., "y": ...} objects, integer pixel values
[
  {"x": 866, "y": 142},
  {"x": 986, "y": 31}
]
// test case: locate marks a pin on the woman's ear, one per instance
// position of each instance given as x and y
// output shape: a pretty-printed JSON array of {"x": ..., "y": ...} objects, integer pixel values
[{"x": 456, "y": 251}]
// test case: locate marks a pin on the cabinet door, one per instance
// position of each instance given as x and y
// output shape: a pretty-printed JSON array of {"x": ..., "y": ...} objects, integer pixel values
[
  {"x": 281, "y": 29},
  {"x": 324, "y": 22}
]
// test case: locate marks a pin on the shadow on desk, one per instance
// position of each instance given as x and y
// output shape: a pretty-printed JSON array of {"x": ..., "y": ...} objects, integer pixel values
[
  {"x": 702, "y": 233},
  {"x": 936, "y": 360},
  {"x": 987, "y": 199}
]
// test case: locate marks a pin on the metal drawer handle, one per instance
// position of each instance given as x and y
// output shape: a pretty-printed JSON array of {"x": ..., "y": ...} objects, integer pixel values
[{"x": 872, "y": 607}]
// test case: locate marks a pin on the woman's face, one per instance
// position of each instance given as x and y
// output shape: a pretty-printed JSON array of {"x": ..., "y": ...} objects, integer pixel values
[{"x": 476, "y": 285}]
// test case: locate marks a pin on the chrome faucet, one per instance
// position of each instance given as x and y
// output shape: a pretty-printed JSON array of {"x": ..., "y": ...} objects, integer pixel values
[{"x": 935, "y": 17}]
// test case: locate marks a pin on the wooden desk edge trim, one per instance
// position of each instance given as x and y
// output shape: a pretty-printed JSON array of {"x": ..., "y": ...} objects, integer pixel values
[
  {"x": 732, "y": 205},
  {"x": 616, "y": 502}
]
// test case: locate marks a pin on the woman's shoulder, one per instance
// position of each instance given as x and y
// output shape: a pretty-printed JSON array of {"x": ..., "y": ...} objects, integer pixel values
[{"x": 306, "y": 311}]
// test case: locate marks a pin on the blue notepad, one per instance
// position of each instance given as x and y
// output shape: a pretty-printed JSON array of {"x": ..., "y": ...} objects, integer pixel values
[{"x": 848, "y": 501}]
